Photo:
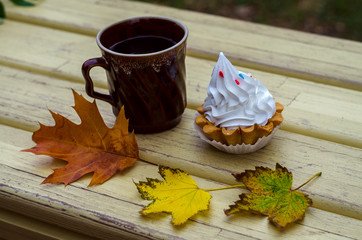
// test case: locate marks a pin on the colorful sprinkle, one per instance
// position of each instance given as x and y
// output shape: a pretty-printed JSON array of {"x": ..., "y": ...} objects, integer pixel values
[
  {"x": 241, "y": 75},
  {"x": 237, "y": 82},
  {"x": 221, "y": 74}
]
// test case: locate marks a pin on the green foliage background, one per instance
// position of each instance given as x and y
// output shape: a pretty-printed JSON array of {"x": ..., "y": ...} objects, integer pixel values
[
  {"x": 337, "y": 18},
  {"x": 23, "y": 3}
]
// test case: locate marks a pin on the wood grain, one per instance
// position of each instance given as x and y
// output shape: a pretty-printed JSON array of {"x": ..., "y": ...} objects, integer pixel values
[
  {"x": 308, "y": 56},
  {"x": 311, "y": 109},
  {"x": 337, "y": 191},
  {"x": 19, "y": 226},
  {"x": 114, "y": 205},
  {"x": 316, "y": 78}
]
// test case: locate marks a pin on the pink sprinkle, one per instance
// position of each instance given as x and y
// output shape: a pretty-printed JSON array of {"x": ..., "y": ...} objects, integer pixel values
[
  {"x": 237, "y": 82},
  {"x": 221, "y": 74}
]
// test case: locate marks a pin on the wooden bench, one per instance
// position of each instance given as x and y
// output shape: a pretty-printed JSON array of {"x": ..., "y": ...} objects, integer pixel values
[{"x": 316, "y": 78}]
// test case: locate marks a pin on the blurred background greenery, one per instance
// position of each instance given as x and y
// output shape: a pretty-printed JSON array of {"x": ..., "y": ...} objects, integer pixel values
[{"x": 337, "y": 18}]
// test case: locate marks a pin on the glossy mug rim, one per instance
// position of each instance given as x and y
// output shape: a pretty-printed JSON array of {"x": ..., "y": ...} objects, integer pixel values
[{"x": 183, "y": 26}]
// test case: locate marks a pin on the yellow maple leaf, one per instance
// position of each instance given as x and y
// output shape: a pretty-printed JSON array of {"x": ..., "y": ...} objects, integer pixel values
[{"x": 178, "y": 195}]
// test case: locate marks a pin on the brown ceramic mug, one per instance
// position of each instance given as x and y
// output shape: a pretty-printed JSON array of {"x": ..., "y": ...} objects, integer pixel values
[{"x": 144, "y": 59}]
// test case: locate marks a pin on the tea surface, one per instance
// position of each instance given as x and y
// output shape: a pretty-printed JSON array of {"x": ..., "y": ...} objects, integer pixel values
[{"x": 142, "y": 45}]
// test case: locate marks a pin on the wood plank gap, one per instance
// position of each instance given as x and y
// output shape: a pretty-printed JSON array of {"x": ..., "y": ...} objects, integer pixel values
[
  {"x": 222, "y": 175},
  {"x": 18, "y": 226},
  {"x": 88, "y": 31},
  {"x": 46, "y": 72},
  {"x": 286, "y": 127},
  {"x": 190, "y": 105},
  {"x": 301, "y": 130},
  {"x": 51, "y": 24},
  {"x": 322, "y": 135},
  {"x": 331, "y": 207},
  {"x": 19, "y": 124},
  {"x": 280, "y": 71}
]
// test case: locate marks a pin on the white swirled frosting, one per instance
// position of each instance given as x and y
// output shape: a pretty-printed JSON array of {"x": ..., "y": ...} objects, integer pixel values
[{"x": 235, "y": 98}]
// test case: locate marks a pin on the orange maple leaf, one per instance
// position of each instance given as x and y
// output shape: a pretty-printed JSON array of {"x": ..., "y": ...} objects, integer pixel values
[{"x": 88, "y": 147}]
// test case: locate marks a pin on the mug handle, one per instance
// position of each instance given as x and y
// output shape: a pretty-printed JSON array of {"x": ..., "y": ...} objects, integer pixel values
[{"x": 89, "y": 86}]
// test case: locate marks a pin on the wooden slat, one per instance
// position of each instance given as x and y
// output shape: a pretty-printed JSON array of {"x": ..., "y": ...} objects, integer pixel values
[
  {"x": 321, "y": 59},
  {"x": 111, "y": 210},
  {"x": 337, "y": 191},
  {"x": 50, "y": 56},
  {"x": 312, "y": 109},
  {"x": 17, "y": 226}
]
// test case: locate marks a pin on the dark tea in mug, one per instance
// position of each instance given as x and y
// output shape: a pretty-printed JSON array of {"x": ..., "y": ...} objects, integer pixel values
[
  {"x": 144, "y": 59},
  {"x": 142, "y": 44}
]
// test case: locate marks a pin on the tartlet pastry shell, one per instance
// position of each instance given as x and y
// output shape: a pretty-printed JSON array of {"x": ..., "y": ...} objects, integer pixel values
[{"x": 240, "y": 140}]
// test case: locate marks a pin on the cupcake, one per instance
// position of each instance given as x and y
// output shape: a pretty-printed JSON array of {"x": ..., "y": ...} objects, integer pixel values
[{"x": 239, "y": 115}]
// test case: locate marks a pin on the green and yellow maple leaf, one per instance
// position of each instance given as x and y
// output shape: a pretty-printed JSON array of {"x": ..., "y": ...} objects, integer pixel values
[
  {"x": 178, "y": 195},
  {"x": 271, "y": 195}
]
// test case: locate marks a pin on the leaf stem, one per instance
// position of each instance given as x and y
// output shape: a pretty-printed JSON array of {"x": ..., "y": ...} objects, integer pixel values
[
  {"x": 315, "y": 175},
  {"x": 223, "y": 188}
]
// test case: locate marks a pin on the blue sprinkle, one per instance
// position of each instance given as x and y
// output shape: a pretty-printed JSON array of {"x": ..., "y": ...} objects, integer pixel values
[{"x": 241, "y": 75}]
